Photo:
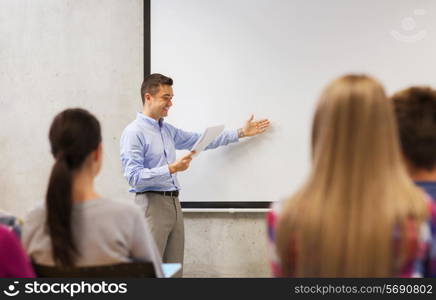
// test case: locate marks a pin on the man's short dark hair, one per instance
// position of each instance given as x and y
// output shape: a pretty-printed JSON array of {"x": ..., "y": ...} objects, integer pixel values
[
  {"x": 152, "y": 82},
  {"x": 415, "y": 109}
]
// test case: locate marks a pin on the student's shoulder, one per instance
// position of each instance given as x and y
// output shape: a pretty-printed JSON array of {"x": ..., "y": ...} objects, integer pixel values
[
  {"x": 7, "y": 237},
  {"x": 274, "y": 212},
  {"x": 119, "y": 208},
  {"x": 277, "y": 206},
  {"x": 4, "y": 231},
  {"x": 35, "y": 214},
  {"x": 121, "y": 212},
  {"x": 33, "y": 220}
]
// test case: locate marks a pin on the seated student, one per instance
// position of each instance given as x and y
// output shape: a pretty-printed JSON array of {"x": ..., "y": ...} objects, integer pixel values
[
  {"x": 357, "y": 214},
  {"x": 13, "y": 260},
  {"x": 415, "y": 109},
  {"x": 77, "y": 226}
]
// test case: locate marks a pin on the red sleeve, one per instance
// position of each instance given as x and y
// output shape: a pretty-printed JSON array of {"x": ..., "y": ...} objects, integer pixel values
[{"x": 13, "y": 260}]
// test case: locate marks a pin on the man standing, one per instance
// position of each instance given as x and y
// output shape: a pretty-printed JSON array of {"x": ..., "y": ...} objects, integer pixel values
[{"x": 148, "y": 158}]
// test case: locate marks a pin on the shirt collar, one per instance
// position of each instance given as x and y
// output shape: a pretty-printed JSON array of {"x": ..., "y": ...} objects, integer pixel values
[{"x": 149, "y": 121}]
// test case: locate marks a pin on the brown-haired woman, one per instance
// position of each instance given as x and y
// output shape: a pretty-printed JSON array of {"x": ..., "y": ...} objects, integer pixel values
[
  {"x": 77, "y": 227},
  {"x": 358, "y": 214}
]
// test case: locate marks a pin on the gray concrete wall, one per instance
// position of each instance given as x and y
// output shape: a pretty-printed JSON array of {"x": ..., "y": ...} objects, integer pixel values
[
  {"x": 56, "y": 54},
  {"x": 225, "y": 245}
]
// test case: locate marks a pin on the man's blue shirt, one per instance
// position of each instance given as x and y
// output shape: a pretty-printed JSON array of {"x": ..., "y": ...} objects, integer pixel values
[{"x": 149, "y": 146}]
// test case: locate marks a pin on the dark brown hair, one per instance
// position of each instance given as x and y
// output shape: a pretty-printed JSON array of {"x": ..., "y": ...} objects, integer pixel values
[
  {"x": 152, "y": 82},
  {"x": 73, "y": 134},
  {"x": 415, "y": 109}
]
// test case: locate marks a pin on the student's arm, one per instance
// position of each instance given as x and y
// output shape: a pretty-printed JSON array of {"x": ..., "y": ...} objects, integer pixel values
[
  {"x": 142, "y": 244},
  {"x": 33, "y": 220},
  {"x": 13, "y": 260}
]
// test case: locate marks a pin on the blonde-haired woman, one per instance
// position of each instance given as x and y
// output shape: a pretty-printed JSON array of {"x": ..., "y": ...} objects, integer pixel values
[{"x": 358, "y": 214}]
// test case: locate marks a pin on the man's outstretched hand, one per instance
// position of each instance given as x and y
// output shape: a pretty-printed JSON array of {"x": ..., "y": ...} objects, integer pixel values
[{"x": 252, "y": 127}]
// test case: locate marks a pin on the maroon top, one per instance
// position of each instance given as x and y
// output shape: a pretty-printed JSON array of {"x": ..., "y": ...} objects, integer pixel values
[{"x": 13, "y": 260}]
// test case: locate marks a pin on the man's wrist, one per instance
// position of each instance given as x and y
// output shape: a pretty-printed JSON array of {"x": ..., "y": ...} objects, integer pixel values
[
  {"x": 172, "y": 169},
  {"x": 241, "y": 133}
]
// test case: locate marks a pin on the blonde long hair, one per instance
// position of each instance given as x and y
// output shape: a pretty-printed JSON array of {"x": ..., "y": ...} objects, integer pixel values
[{"x": 341, "y": 222}]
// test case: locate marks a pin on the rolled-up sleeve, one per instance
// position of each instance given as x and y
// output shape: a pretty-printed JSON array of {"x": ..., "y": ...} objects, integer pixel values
[
  {"x": 132, "y": 161},
  {"x": 186, "y": 140},
  {"x": 226, "y": 137}
]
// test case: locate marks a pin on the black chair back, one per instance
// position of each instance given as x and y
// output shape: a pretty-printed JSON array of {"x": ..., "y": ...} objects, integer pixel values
[{"x": 122, "y": 270}]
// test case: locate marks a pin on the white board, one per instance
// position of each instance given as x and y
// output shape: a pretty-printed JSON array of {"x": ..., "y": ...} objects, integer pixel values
[{"x": 272, "y": 58}]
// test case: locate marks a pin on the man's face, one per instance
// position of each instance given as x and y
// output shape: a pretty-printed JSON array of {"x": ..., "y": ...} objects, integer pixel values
[{"x": 160, "y": 102}]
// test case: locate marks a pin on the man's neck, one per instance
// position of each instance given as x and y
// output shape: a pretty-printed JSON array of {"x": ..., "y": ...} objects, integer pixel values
[{"x": 147, "y": 113}]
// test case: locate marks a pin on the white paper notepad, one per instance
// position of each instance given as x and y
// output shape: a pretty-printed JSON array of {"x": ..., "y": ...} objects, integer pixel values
[{"x": 207, "y": 137}]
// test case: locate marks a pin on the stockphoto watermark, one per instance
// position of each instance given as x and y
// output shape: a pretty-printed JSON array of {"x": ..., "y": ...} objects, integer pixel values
[
  {"x": 410, "y": 32},
  {"x": 16, "y": 288}
]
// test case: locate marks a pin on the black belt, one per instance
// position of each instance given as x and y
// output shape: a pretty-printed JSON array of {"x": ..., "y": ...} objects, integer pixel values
[{"x": 164, "y": 193}]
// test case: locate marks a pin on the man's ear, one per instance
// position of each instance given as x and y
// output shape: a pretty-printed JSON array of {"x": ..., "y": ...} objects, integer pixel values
[{"x": 147, "y": 98}]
